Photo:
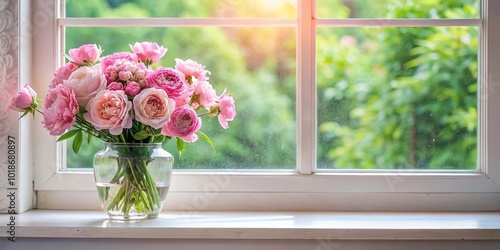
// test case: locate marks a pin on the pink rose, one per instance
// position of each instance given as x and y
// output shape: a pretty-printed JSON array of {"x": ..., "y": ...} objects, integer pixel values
[
  {"x": 60, "y": 109},
  {"x": 109, "y": 60},
  {"x": 62, "y": 74},
  {"x": 206, "y": 94},
  {"x": 86, "y": 54},
  {"x": 86, "y": 81},
  {"x": 24, "y": 99},
  {"x": 172, "y": 82},
  {"x": 227, "y": 109},
  {"x": 132, "y": 88},
  {"x": 153, "y": 107},
  {"x": 191, "y": 68},
  {"x": 183, "y": 123},
  {"x": 109, "y": 110},
  {"x": 148, "y": 52}
]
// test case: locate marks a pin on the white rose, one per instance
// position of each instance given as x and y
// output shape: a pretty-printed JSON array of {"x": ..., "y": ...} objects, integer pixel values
[{"x": 86, "y": 82}]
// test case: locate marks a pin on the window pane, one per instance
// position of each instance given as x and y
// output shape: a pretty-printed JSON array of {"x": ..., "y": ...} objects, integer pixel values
[
  {"x": 401, "y": 98},
  {"x": 184, "y": 8},
  {"x": 397, "y": 9},
  {"x": 260, "y": 78}
]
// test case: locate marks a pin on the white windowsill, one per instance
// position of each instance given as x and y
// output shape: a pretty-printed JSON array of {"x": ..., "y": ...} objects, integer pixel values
[{"x": 260, "y": 225}]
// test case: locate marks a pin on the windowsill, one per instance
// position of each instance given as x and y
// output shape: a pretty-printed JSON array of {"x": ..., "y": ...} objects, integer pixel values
[{"x": 260, "y": 225}]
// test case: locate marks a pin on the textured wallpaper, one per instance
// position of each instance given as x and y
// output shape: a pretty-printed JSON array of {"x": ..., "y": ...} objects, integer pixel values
[{"x": 9, "y": 127}]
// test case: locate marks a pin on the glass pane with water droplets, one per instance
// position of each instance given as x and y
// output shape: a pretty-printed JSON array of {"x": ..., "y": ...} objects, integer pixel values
[{"x": 397, "y": 98}]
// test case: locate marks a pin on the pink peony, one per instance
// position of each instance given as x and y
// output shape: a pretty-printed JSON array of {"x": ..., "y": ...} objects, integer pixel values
[
  {"x": 183, "y": 123},
  {"x": 115, "y": 86},
  {"x": 59, "y": 110},
  {"x": 172, "y": 82},
  {"x": 24, "y": 99},
  {"x": 191, "y": 68},
  {"x": 86, "y": 81},
  {"x": 85, "y": 54},
  {"x": 109, "y": 110},
  {"x": 132, "y": 88},
  {"x": 109, "y": 60},
  {"x": 206, "y": 94},
  {"x": 147, "y": 51},
  {"x": 153, "y": 107},
  {"x": 62, "y": 74},
  {"x": 227, "y": 109}
]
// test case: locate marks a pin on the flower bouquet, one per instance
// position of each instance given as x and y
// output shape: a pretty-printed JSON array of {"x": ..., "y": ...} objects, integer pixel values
[{"x": 123, "y": 99}]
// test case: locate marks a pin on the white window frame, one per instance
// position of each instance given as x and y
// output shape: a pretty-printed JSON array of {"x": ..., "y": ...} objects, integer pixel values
[{"x": 305, "y": 188}]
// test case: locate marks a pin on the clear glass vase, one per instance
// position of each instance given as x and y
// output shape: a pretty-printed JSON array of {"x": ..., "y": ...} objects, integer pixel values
[{"x": 132, "y": 179}]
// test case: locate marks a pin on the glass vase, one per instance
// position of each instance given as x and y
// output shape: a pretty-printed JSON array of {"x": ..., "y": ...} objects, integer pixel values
[{"x": 132, "y": 179}]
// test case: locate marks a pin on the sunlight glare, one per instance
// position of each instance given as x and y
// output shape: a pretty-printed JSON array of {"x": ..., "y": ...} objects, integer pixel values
[{"x": 279, "y": 4}]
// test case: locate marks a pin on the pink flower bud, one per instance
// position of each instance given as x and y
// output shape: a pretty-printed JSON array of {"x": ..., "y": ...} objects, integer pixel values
[
  {"x": 24, "y": 99},
  {"x": 140, "y": 74},
  {"x": 124, "y": 75},
  {"x": 132, "y": 89},
  {"x": 115, "y": 86}
]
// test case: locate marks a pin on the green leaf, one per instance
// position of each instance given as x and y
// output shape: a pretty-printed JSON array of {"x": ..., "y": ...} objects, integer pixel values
[
  {"x": 25, "y": 113},
  {"x": 141, "y": 135},
  {"x": 180, "y": 146},
  {"x": 204, "y": 136},
  {"x": 68, "y": 134},
  {"x": 89, "y": 137},
  {"x": 77, "y": 142}
]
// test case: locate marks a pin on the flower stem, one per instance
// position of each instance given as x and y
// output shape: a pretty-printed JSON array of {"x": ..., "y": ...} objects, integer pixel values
[{"x": 138, "y": 188}]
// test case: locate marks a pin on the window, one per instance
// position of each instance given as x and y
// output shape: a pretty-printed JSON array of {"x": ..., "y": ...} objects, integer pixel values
[
  {"x": 399, "y": 93},
  {"x": 255, "y": 61},
  {"x": 334, "y": 118}
]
